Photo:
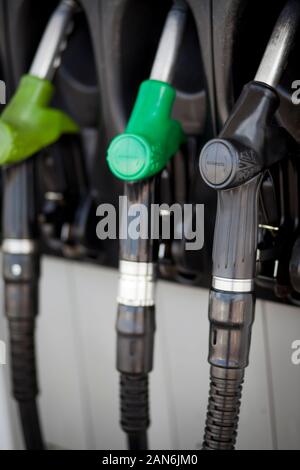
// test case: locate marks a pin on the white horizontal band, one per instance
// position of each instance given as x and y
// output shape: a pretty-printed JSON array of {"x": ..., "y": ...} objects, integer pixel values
[
  {"x": 232, "y": 285},
  {"x": 18, "y": 246},
  {"x": 136, "y": 284}
]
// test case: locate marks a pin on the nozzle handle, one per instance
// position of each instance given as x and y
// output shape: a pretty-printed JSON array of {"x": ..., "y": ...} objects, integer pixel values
[{"x": 235, "y": 238}]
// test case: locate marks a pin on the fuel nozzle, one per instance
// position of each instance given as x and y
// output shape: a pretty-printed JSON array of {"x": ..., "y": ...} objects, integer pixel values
[
  {"x": 152, "y": 137},
  {"x": 234, "y": 165},
  {"x": 28, "y": 125},
  {"x": 137, "y": 156}
]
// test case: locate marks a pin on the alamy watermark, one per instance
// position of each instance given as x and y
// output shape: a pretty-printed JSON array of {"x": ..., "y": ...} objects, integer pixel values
[
  {"x": 2, "y": 92},
  {"x": 296, "y": 94},
  {"x": 295, "y": 358},
  {"x": 157, "y": 222}
]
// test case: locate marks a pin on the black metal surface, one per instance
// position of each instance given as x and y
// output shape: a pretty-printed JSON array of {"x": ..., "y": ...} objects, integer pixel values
[
  {"x": 137, "y": 195},
  {"x": 135, "y": 345},
  {"x": 231, "y": 317}
]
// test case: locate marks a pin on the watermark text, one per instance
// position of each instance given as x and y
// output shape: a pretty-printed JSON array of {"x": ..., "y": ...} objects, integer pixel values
[{"x": 157, "y": 222}]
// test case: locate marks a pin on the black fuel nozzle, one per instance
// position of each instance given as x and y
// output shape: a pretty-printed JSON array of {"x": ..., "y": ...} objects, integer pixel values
[{"x": 234, "y": 164}]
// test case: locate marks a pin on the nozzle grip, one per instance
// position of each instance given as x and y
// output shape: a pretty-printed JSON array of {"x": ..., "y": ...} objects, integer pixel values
[{"x": 235, "y": 238}]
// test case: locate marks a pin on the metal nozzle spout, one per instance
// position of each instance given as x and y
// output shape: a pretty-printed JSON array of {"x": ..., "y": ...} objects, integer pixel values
[
  {"x": 276, "y": 55},
  {"x": 47, "y": 58},
  {"x": 169, "y": 45}
]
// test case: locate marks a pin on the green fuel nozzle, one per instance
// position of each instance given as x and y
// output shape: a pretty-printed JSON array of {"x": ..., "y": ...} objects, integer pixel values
[
  {"x": 151, "y": 138},
  {"x": 28, "y": 123}
]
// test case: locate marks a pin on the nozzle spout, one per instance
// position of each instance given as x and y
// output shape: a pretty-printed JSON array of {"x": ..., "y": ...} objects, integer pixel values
[
  {"x": 169, "y": 45},
  {"x": 47, "y": 58},
  {"x": 276, "y": 55}
]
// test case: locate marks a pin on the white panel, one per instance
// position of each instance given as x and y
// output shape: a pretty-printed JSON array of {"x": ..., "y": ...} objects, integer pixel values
[
  {"x": 97, "y": 315},
  {"x": 284, "y": 327},
  {"x": 59, "y": 358},
  {"x": 184, "y": 313},
  {"x": 255, "y": 430}
]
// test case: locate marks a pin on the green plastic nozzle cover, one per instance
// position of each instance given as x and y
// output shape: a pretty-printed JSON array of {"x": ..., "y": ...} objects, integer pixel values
[
  {"x": 151, "y": 138},
  {"x": 27, "y": 124}
]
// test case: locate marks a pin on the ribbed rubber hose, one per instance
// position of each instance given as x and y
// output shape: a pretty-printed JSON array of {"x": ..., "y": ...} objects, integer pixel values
[
  {"x": 223, "y": 408},
  {"x": 24, "y": 379},
  {"x": 135, "y": 409}
]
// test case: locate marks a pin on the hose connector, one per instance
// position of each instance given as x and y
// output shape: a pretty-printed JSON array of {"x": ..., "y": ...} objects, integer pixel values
[{"x": 231, "y": 317}]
